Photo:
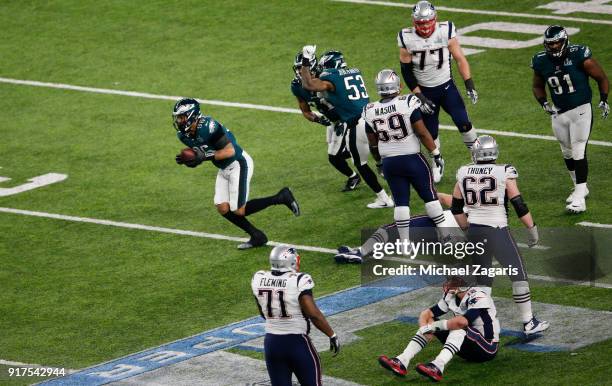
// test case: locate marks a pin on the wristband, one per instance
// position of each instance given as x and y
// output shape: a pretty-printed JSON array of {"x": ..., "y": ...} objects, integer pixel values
[
  {"x": 469, "y": 84},
  {"x": 542, "y": 100},
  {"x": 435, "y": 152},
  {"x": 603, "y": 96}
]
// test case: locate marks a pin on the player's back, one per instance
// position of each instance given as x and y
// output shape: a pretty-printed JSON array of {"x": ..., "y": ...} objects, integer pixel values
[
  {"x": 278, "y": 296},
  {"x": 390, "y": 120},
  {"x": 483, "y": 187},
  {"x": 349, "y": 95},
  {"x": 430, "y": 56}
]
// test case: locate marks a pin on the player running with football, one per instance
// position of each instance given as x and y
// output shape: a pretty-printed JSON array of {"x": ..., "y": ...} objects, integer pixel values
[
  {"x": 344, "y": 89},
  {"x": 284, "y": 299},
  {"x": 337, "y": 153},
  {"x": 211, "y": 141},
  {"x": 484, "y": 188},
  {"x": 425, "y": 59},
  {"x": 566, "y": 69},
  {"x": 472, "y": 333},
  {"x": 396, "y": 131}
]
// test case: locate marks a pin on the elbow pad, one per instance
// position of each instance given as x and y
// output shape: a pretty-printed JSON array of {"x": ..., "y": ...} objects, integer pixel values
[
  {"x": 457, "y": 205},
  {"x": 408, "y": 75},
  {"x": 519, "y": 206}
]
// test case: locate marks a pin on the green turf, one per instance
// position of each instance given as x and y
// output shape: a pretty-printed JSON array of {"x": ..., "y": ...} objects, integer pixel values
[{"x": 74, "y": 294}]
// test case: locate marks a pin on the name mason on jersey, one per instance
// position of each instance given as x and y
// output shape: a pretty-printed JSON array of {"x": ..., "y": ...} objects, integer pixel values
[
  {"x": 444, "y": 270},
  {"x": 270, "y": 282},
  {"x": 385, "y": 110}
]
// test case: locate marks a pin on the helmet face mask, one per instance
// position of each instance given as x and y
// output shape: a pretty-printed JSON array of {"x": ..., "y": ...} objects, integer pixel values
[
  {"x": 297, "y": 65},
  {"x": 387, "y": 83},
  {"x": 332, "y": 59},
  {"x": 185, "y": 113},
  {"x": 556, "y": 41},
  {"x": 424, "y": 18},
  {"x": 485, "y": 149},
  {"x": 284, "y": 258}
]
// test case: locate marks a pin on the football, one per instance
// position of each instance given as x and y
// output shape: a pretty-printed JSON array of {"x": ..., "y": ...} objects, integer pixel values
[{"x": 187, "y": 154}]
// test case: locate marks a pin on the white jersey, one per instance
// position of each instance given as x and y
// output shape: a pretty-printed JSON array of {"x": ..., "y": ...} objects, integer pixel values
[
  {"x": 389, "y": 119},
  {"x": 475, "y": 299},
  {"x": 483, "y": 187},
  {"x": 278, "y": 297},
  {"x": 430, "y": 55}
]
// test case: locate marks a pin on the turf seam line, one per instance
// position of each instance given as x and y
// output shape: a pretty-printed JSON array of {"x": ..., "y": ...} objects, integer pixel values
[{"x": 64, "y": 86}]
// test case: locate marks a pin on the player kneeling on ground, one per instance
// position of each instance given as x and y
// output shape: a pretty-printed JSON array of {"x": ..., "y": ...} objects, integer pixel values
[
  {"x": 473, "y": 333},
  {"x": 285, "y": 301}
]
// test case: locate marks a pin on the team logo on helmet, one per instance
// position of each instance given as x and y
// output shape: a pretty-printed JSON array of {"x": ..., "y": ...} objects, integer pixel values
[{"x": 332, "y": 59}]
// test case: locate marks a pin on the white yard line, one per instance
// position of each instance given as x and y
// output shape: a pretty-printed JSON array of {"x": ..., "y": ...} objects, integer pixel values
[
  {"x": 97, "y": 90},
  {"x": 481, "y": 11},
  {"x": 35, "y": 366},
  {"x": 231, "y": 238},
  {"x": 594, "y": 224}
]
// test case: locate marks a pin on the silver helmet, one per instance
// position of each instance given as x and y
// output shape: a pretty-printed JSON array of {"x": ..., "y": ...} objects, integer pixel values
[
  {"x": 484, "y": 149},
  {"x": 387, "y": 83},
  {"x": 284, "y": 258},
  {"x": 424, "y": 18}
]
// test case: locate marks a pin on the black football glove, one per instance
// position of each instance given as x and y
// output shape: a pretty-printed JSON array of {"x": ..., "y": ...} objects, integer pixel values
[
  {"x": 322, "y": 120},
  {"x": 179, "y": 159},
  {"x": 427, "y": 106},
  {"x": 339, "y": 128},
  {"x": 550, "y": 109},
  {"x": 334, "y": 344},
  {"x": 204, "y": 155}
]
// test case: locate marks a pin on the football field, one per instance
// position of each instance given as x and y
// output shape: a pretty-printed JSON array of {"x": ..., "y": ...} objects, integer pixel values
[{"x": 110, "y": 252}]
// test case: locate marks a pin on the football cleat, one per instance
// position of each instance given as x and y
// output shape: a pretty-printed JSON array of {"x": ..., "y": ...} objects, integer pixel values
[
  {"x": 393, "y": 364},
  {"x": 351, "y": 256},
  {"x": 534, "y": 326},
  {"x": 379, "y": 203},
  {"x": 351, "y": 183},
  {"x": 576, "y": 206},
  {"x": 430, "y": 371},
  {"x": 287, "y": 198},
  {"x": 258, "y": 239},
  {"x": 571, "y": 197},
  {"x": 344, "y": 249}
]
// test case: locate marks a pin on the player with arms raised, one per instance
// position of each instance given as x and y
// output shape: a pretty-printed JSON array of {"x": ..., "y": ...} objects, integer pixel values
[
  {"x": 485, "y": 188},
  {"x": 566, "y": 69},
  {"x": 284, "y": 299},
  {"x": 209, "y": 140},
  {"x": 344, "y": 88},
  {"x": 395, "y": 131},
  {"x": 425, "y": 58}
]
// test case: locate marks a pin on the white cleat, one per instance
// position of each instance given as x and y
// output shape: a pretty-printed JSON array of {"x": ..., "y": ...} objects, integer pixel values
[
  {"x": 378, "y": 203},
  {"x": 437, "y": 175},
  {"x": 534, "y": 326},
  {"x": 571, "y": 197},
  {"x": 576, "y": 206}
]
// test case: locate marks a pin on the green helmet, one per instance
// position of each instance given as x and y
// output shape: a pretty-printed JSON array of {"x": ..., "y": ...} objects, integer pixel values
[
  {"x": 552, "y": 36},
  {"x": 332, "y": 59}
]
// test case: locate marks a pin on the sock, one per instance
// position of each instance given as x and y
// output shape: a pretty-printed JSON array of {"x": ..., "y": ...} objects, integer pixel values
[
  {"x": 257, "y": 204},
  {"x": 383, "y": 195},
  {"x": 451, "y": 347},
  {"x": 469, "y": 137},
  {"x": 417, "y": 343},
  {"x": 380, "y": 236},
  {"x": 435, "y": 212},
  {"x": 580, "y": 190},
  {"x": 401, "y": 214},
  {"x": 369, "y": 177},
  {"x": 571, "y": 168},
  {"x": 582, "y": 170},
  {"x": 341, "y": 165},
  {"x": 241, "y": 222},
  {"x": 522, "y": 298},
  {"x": 485, "y": 289}
]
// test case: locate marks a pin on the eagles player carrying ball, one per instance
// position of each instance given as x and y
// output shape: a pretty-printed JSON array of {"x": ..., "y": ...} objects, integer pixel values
[
  {"x": 284, "y": 299},
  {"x": 211, "y": 141},
  {"x": 425, "y": 58},
  {"x": 566, "y": 69}
]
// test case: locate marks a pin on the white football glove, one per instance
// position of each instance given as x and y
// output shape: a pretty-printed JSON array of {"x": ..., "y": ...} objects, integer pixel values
[
  {"x": 473, "y": 96},
  {"x": 439, "y": 325},
  {"x": 534, "y": 237},
  {"x": 549, "y": 108},
  {"x": 308, "y": 52},
  {"x": 605, "y": 109}
]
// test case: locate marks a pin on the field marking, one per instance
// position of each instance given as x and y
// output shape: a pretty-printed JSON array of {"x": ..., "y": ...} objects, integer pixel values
[
  {"x": 229, "y": 238},
  {"x": 64, "y": 86},
  {"x": 481, "y": 11},
  {"x": 33, "y": 365},
  {"x": 594, "y": 224}
]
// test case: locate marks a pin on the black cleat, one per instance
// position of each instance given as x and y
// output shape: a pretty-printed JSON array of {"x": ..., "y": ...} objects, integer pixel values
[
  {"x": 287, "y": 198},
  {"x": 258, "y": 239},
  {"x": 351, "y": 183}
]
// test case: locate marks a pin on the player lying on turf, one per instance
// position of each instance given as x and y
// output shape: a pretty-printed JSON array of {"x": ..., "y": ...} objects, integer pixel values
[
  {"x": 209, "y": 140},
  {"x": 284, "y": 299},
  {"x": 337, "y": 152},
  {"x": 472, "y": 333}
]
